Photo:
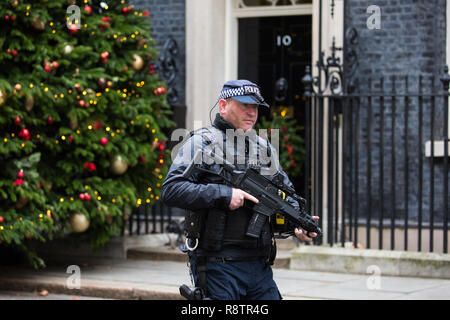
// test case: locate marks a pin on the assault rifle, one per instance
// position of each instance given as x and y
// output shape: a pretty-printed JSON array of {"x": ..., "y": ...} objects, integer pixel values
[{"x": 269, "y": 193}]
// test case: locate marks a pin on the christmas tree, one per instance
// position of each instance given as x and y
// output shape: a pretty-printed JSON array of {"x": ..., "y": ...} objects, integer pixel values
[
  {"x": 82, "y": 114},
  {"x": 291, "y": 143}
]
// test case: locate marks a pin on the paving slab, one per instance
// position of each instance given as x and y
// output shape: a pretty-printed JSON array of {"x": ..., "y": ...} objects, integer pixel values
[{"x": 143, "y": 279}]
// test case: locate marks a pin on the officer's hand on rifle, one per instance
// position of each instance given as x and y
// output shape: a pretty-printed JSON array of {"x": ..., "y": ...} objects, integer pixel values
[
  {"x": 303, "y": 235},
  {"x": 238, "y": 197}
]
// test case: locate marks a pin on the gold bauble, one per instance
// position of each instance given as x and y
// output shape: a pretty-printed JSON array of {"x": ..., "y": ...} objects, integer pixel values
[
  {"x": 38, "y": 24},
  {"x": 118, "y": 166},
  {"x": 138, "y": 62},
  {"x": 2, "y": 97},
  {"x": 73, "y": 123},
  {"x": 29, "y": 103},
  {"x": 78, "y": 222},
  {"x": 140, "y": 43},
  {"x": 15, "y": 3}
]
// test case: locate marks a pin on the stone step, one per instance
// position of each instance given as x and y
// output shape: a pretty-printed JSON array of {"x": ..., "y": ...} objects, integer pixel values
[{"x": 174, "y": 254}]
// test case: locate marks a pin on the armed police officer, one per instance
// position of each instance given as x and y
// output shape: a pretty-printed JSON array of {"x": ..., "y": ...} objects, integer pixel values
[{"x": 226, "y": 263}]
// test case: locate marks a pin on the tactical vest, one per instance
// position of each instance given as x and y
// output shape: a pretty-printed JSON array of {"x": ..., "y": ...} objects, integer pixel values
[{"x": 226, "y": 229}]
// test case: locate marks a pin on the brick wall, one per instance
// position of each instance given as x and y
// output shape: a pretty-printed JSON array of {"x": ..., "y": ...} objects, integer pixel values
[
  {"x": 411, "y": 42},
  {"x": 168, "y": 20}
]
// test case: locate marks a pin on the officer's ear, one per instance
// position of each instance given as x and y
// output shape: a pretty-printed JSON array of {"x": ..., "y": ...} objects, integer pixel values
[{"x": 223, "y": 106}]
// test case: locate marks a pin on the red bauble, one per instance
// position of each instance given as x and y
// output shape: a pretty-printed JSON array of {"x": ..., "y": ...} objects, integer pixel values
[
  {"x": 70, "y": 138},
  {"x": 50, "y": 120},
  {"x": 81, "y": 103},
  {"x": 125, "y": 10},
  {"x": 24, "y": 134},
  {"x": 82, "y": 196},
  {"x": 91, "y": 167},
  {"x": 97, "y": 125},
  {"x": 55, "y": 64},
  {"x": 18, "y": 121},
  {"x": 104, "y": 141},
  {"x": 15, "y": 52},
  {"x": 88, "y": 10},
  {"x": 2, "y": 219},
  {"x": 104, "y": 55},
  {"x": 47, "y": 68},
  {"x": 18, "y": 182},
  {"x": 146, "y": 13},
  {"x": 20, "y": 174},
  {"x": 87, "y": 197},
  {"x": 152, "y": 69},
  {"x": 73, "y": 29}
]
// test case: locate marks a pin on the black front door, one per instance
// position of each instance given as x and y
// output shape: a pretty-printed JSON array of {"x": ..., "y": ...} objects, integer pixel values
[{"x": 273, "y": 52}]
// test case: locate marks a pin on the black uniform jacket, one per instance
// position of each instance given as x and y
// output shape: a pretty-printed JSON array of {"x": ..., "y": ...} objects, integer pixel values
[{"x": 206, "y": 191}]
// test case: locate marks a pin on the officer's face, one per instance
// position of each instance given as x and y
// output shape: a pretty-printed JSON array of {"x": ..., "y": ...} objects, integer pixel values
[{"x": 240, "y": 115}]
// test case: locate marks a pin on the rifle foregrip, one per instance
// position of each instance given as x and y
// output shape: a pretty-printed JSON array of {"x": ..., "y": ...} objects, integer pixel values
[{"x": 255, "y": 225}]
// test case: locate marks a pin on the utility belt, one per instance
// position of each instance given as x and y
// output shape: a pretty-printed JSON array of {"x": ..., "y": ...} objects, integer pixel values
[
  {"x": 215, "y": 229},
  {"x": 207, "y": 230}
]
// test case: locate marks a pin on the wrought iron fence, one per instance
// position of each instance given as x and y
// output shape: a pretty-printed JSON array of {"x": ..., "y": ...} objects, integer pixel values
[
  {"x": 378, "y": 171},
  {"x": 152, "y": 218}
]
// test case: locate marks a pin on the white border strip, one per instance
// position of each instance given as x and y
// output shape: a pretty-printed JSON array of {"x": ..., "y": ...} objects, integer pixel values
[{"x": 269, "y": 11}]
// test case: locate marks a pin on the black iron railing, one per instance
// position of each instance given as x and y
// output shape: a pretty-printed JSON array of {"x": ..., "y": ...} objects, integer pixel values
[
  {"x": 152, "y": 218},
  {"x": 378, "y": 173}
]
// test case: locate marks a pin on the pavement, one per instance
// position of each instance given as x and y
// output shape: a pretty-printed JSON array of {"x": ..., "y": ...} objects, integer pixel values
[{"x": 146, "y": 277}]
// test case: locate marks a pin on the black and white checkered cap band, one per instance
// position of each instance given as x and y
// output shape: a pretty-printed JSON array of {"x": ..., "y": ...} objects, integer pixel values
[{"x": 241, "y": 91}]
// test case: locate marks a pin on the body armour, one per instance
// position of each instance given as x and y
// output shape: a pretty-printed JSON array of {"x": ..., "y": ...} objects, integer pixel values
[{"x": 222, "y": 231}]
